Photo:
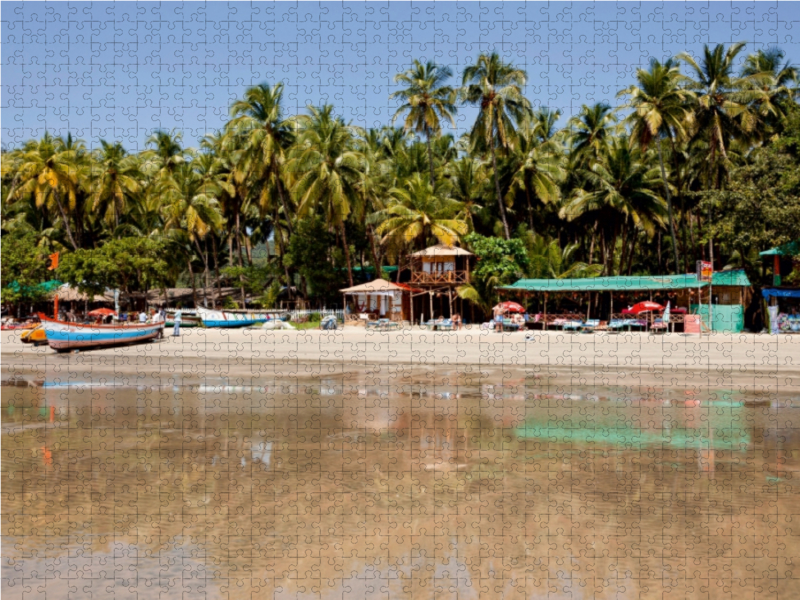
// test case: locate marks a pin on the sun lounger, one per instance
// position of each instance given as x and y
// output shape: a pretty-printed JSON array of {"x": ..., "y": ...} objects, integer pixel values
[
  {"x": 659, "y": 326},
  {"x": 385, "y": 324},
  {"x": 573, "y": 326},
  {"x": 616, "y": 325},
  {"x": 590, "y": 325},
  {"x": 509, "y": 325}
]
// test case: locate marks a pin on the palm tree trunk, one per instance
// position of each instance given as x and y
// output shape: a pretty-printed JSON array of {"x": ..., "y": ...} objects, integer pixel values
[
  {"x": 57, "y": 197},
  {"x": 216, "y": 273},
  {"x": 248, "y": 250},
  {"x": 239, "y": 252},
  {"x": 282, "y": 196},
  {"x": 591, "y": 246},
  {"x": 604, "y": 251},
  {"x": 669, "y": 207},
  {"x": 630, "y": 255},
  {"x": 194, "y": 286},
  {"x": 430, "y": 156},
  {"x": 205, "y": 272},
  {"x": 276, "y": 234},
  {"x": 530, "y": 206},
  {"x": 624, "y": 249},
  {"x": 376, "y": 263},
  {"x": 346, "y": 253},
  {"x": 499, "y": 198}
]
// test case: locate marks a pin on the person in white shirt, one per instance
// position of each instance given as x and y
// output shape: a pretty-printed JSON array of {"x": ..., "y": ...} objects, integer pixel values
[{"x": 142, "y": 317}]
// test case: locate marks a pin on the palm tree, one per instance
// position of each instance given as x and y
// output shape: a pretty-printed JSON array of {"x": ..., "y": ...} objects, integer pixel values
[
  {"x": 545, "y": 123},
  {"x": 115, "y": 179},
  {"x": 427, "y": 101},
  {"x": 538, "y": 164},
  {"x": 326, "y": 169},
  {"x": 721, "y": 108},
  {"x": 417, "y": 212},
  {"x": 592, "y": 128},
  {"x": 260, "y": 130},
  {"x": 622, "y": 196},
  {"x": 166, "y": 155},
  {"x": 550, "y": 261},
  {"x": 660, "y": 109},
  {"x": 767, "y": 74},
  {"x": 50, "y": 172},
  {"x": 496, "y": 88},
  {"x": 467, "y": 183},
  {"x": 190, "y": 202}
]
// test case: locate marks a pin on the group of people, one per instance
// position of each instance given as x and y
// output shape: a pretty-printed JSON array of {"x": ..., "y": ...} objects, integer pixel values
[{"x": 517, "y": 319}]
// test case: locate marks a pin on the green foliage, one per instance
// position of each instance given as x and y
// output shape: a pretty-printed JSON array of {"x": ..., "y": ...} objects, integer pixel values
[
  {"x": 24, "y": 266},
  {"x": 501, "y": 260},
  {"x": 760, "y": 208},
  {"x": 548, "y": 260},
  {"x": 255, "y": 279},
  {"x": 130, "y": 264},
  {"x": 312, "y": 253},
  {"x": 269, "y": 298}
]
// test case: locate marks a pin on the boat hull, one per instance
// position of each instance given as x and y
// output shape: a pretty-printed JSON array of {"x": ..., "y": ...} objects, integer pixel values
[
  {"x": 224, "y": 318},
  {"x": 186, "y": 321},
  {"x": 64, "y": 336}
]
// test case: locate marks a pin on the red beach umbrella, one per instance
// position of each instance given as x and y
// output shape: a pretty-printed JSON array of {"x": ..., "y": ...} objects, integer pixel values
[
  {"x": 643, "y": 307},
  {"x": 101, "y": 312},
  {"x": 510, "y": 307}
]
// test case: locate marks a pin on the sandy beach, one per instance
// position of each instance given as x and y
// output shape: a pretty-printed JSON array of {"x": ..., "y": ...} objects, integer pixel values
[{"x": 754, "y": 363}]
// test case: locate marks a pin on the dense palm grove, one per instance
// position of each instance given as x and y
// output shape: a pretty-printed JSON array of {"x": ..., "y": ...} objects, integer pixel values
[{"x": 701, "y": 155}]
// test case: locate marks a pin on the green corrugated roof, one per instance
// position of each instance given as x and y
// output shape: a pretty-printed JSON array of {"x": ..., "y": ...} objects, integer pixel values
[
  {"x": 736, "y": 277},
  {"x": 790, "y": 249},
  {"x": 624, "y": 283}
]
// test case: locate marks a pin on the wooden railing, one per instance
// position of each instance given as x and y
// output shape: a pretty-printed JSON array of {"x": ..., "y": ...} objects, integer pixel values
[{"x": 444, "y": 277}]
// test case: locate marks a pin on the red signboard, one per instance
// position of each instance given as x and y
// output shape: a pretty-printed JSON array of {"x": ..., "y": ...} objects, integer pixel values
[{"x": 705, "y": 270}]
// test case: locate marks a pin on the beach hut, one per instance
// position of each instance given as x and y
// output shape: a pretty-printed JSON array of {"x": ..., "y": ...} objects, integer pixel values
[
  {"x": 380, "y": 298},
  {"x": 441, "y": 266},
  {"x": 439, "y": 270}
]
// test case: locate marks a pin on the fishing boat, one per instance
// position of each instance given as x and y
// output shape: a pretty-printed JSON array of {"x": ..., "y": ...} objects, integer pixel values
[
  {"x": 231, "y": 318},
  {"x": 189, "y": 318},
  {"x": 64, "y": 336}
]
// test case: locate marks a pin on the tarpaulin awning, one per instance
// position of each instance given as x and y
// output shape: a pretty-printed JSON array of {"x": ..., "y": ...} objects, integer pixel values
[
  {"x": 780, "y": 293},
  {"x": 627, "y": 283},
  {"x": 789, "y": 249},
  {"x": 607, "y": 284}
]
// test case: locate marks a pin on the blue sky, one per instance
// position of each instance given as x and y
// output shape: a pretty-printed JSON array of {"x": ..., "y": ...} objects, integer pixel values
[{"x": 118, "y": 71}]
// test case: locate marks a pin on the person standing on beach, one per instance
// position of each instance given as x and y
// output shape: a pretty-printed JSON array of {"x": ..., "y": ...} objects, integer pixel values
[{"x": 176, "y": 329}]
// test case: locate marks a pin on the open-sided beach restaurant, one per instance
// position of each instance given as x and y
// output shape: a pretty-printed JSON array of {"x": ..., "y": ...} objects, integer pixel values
[{"x": 610, "y": 298}]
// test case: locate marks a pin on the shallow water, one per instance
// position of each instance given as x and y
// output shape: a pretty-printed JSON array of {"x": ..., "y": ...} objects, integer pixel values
[{"x": 331, "y": 489}]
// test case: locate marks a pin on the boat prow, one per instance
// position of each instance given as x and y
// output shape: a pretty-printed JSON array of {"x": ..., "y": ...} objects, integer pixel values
[{"x": 64, "y": 336}]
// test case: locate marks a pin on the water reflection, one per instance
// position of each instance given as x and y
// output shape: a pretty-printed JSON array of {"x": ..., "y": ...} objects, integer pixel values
[{"x": 325, "y": 489}]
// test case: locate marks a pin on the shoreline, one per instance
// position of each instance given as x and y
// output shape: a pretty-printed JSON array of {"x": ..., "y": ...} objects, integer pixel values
[{"x": 756, "y": 363}]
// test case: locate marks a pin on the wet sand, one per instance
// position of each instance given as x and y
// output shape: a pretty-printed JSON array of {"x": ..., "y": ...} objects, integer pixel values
[{"x": 746, "y": 362}]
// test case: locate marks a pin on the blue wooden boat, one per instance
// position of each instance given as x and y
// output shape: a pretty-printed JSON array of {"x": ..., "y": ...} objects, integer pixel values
[
  {"x": 231, "y": 318},
  {"x": 63, "y": 335}
]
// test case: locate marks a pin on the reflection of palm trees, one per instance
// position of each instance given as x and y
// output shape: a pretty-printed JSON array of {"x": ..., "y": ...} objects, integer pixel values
[{"x": 308, "y": 511}]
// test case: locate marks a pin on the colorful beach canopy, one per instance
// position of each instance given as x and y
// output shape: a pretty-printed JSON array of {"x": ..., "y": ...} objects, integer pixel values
[
  {"x": 789, "y": 249},
  {"x": 643, "y": 307},
  {"x": 101, "y": 312},
  {"x": 510, "y": 307},
  {"x": 627, "y": 283}
]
